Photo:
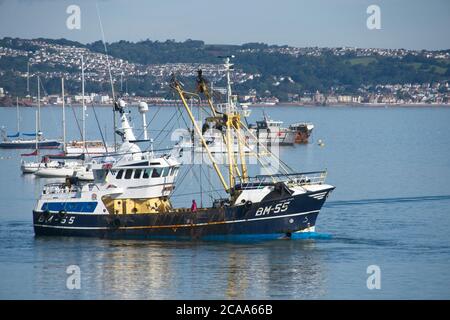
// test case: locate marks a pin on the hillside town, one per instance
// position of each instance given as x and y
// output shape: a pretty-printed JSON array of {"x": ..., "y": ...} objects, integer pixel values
[
  {"x": 410, "y": 94},
  {"x": 358, "y": 52},
  {"x": 65, "y": 61}
]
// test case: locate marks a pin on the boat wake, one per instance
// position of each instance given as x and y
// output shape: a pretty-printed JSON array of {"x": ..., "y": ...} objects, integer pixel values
[
  {"x": 340, "y": 203},
  {"x": 311, "y": 235}
]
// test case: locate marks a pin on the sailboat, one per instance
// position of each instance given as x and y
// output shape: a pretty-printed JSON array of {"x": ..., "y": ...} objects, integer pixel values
[
  {"x": 89, "y": 147},
  {"x": 131, "y": 195},
  {"x": 20, "y": 143},
  {"x": 32, "y": 167},
  {"x": 65, "y": 167}
]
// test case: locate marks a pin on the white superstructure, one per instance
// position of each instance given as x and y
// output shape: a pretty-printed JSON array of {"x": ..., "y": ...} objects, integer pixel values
[{"x": 130, "y": 180}]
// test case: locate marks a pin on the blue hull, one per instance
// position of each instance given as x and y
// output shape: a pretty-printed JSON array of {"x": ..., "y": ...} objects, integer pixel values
[
  {"x": 224, "y": 223},
  {"x": 53, "y": 144}
]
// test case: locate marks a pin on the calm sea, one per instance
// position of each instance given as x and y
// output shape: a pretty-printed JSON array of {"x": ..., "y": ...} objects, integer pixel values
[{"x": 391, "y": 208}]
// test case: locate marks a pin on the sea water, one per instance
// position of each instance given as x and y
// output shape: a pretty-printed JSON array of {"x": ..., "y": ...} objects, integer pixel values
[{"x": 390, "y": 209}]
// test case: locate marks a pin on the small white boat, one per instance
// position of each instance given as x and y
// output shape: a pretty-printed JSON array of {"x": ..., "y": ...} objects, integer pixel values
[
  {"x": 32, "y": 167},
  {"x": 61, "y": 171},
  {"x": 84, "y": 173}
]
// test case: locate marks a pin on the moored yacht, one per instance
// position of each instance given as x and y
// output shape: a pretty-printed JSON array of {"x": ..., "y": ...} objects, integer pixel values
[
  {"x": 33, "y": 167},
  {"x": 22, "y": 140},
  {"x": 61, "y": 170}
]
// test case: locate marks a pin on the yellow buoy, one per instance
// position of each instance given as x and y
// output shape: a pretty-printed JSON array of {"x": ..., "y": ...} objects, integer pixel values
[{"x": 320, "y": 143}]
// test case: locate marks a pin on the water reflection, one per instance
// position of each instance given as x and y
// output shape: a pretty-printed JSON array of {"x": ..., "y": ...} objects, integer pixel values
[{"x": 179, "y": 270}]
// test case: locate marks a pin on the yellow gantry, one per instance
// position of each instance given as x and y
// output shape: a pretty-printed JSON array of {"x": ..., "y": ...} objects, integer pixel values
[
  {"x": 237, "y": 127},
  {"x": 199, "y": 133},
  {"x": 232, "y": 121}
]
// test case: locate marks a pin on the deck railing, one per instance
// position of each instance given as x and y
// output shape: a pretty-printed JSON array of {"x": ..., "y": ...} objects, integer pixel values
[
  {"x": 60, "y": 188},
  {"x": 302, "y": 178}
]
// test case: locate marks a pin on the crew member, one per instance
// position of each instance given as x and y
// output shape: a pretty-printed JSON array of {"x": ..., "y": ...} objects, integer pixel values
[{"x": 194, "y": 206}]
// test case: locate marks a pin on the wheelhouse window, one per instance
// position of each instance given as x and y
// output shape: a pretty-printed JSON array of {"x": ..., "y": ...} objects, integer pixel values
[
  {"x": 137, "y": 173},
  {"x": 128, "y": 173},
  {"x": 147, "y": 173},
  {"x": 157, "y": 172},
  {"x": 165, "y": 173},
  {"x": 119, "y": 174},
  {"x": 100, "y": 175}
]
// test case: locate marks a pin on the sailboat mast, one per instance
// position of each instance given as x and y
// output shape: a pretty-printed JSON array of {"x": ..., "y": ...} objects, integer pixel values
[
  {"x": 83, "y": 105},
  {"x": 63, "y": 114},
  {"x": 28, "y": 77},
  {"x": 39, "y": 108},
  {"x": 18, "y": 116},
  {"x": 36, "y": 128}
]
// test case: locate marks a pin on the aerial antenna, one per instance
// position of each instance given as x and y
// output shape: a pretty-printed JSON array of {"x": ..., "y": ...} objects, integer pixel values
[{"x": 28, "y": 77}]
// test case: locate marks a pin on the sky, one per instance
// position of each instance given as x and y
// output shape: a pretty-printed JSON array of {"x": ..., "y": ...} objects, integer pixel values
[{"x": 410, "y": 24}]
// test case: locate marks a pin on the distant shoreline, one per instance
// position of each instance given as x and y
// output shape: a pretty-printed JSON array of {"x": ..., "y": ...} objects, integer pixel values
[
  {"x": 363, "y": 105},
  {"x": 260, "y": 105}
]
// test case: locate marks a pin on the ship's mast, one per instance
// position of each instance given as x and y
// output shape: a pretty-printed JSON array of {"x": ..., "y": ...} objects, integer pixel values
[
  {"x": 63, "y": 114},
  {"x": 83, "y": 134},
  {"x": 230, "y": 103},
  {"x": 234, "y": 123},
  {"x": 230, "y": 119},
  {"x": 177, "y": 86},
  {"x": 38, "y": 117},
  {"x": 202, "y": 87},
  {"x": 39, "y": 107},
  {"x": 18, "y": 116},
  {"x": 37, "y": 131}
]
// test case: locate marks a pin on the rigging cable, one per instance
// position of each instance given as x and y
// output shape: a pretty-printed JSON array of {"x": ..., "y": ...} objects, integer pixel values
[
  {"x": 109, "y": 72},
  {"x": 99, "y": 128}
]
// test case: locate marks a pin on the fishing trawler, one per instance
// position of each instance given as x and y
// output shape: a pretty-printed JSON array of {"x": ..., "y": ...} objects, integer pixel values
[
  {"x": 270, "y": 131},
  {"x": 131, "y": 195},
  {"x": 303, "y": 131}
]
